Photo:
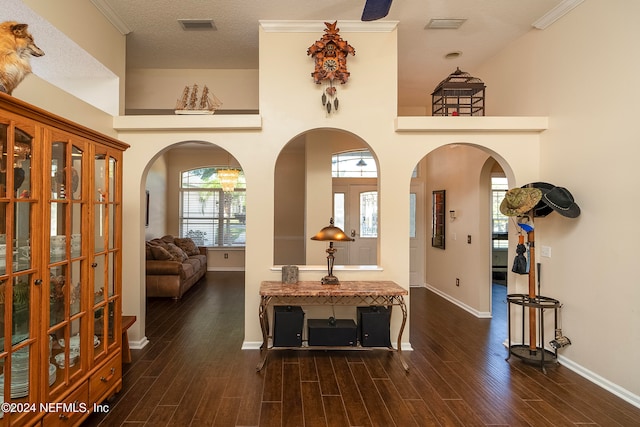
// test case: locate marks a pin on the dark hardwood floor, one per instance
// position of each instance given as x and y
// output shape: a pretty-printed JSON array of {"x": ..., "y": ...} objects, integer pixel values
[{"x": 194, "y": 373}]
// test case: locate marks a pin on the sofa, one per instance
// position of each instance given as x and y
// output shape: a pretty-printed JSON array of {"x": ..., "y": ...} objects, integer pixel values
[{"x": 173, "y": 266}]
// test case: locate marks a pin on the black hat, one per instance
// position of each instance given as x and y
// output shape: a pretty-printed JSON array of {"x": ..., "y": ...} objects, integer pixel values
[
  {"x": 561, "y": 201},
  {"x": 541, "y": 209}
]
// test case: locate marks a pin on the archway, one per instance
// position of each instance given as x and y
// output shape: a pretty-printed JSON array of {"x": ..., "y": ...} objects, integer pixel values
[
  {"x": 168, "y": 195},
  {"x": 306, "y": 195},
  {"x": 461, "y": 271}
]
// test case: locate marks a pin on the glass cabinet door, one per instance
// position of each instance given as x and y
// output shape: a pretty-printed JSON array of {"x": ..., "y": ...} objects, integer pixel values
[
  {"x": 67, "y": 320},
  {"x": 19, "y": 307},
  {"x": 106, "y": 250}
]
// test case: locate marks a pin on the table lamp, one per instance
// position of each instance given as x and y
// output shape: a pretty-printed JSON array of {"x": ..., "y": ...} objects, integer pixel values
[{"x": 331, "y": 234}]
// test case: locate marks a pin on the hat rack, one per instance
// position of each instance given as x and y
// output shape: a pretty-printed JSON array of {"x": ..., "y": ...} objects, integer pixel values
[{"x": 536, "y": 199}]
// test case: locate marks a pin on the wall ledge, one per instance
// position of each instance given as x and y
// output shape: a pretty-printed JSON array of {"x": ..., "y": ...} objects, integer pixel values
[
  {"x": 186, "y": 122},
  {"x": 471, "y": 124}
]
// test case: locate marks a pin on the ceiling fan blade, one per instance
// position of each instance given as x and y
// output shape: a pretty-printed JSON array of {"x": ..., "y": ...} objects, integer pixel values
[{"x": 375, "y": 9}]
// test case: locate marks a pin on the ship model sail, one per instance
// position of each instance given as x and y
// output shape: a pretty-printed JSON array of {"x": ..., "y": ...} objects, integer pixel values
[{"x": 192, "y": 103}]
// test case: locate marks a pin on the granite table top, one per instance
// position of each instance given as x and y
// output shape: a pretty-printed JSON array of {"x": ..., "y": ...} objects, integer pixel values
[{"x": 343, "y": 289}]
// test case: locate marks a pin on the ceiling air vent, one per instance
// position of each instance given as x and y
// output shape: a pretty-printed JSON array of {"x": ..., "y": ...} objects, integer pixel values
[
  {"x": 197, "y": 24},
  {"x": 445, "y": 23}
]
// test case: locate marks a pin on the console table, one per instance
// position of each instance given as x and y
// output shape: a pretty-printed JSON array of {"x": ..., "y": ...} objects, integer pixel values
[{"x": 353, "y": 293}]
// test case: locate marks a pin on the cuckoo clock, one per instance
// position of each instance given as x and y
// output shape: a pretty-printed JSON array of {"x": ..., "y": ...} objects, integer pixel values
[{"x": 330, "y": 55}]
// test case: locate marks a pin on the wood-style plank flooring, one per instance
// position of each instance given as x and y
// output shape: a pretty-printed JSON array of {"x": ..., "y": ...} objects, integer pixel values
[{"x": 194, "y": 373}]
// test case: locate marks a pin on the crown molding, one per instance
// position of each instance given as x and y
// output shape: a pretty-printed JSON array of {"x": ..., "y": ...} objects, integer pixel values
[
  {"x": 270, "y": 26},
  {"x": 112, "y": 16},
  {"x": 556, "y": 13}
]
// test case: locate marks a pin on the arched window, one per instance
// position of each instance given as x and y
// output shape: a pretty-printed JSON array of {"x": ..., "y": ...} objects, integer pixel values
[
  {"x": 208, "y": 214},
  {"x": 354, "y": 164}
]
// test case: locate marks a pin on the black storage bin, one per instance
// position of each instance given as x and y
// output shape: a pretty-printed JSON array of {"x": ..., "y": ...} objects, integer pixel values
[
  {"x": 288, "y": 322},
  {"x": 340, "y": 332},
  {"x": 374, "y": 326}
]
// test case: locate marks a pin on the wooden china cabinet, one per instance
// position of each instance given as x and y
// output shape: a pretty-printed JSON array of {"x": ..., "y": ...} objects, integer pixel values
[{"x": 60, "y": 267}]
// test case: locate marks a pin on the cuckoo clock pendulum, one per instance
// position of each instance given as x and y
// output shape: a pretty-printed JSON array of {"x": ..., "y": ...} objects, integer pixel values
[{"x": 330, "y": 55}]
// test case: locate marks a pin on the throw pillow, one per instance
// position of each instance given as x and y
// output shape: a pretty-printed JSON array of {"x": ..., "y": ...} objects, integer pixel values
[
  {"x": 167, "y": 239},
  {"x": 177, "y": 253},
  {"x": 160, "y": 253},
  {"x": 187, "y": 245}
]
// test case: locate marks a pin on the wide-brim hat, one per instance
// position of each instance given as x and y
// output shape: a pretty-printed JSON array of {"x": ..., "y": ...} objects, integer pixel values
[
  {"x": 541, "y": 209},
  {"x": 560, "y": 200},
  {"x": 519, "y": 201}
]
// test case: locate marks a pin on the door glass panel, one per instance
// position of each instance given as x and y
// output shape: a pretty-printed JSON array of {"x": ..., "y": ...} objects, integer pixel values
[
  {"x": 3, "y": 238},
  {"x": 76, "y": 173},
  {"x": 98, "y": 330},
  {"x": 3, "y": 298},
  {"x": 412, "y": 215},
  {"x": 76, "y": 230},
  {"x": 112, "y": 179},
  {"x": 112, "y": 224},
  {"x": 338, "y": 210},
  {"x": 100, "y": 226},
  {"x": 22, "y": 164},
  {"x": 58, "y": 169},
  {"x": 57, "y": 294},
  {"x": 99, "y": 281},
  {"x": 57, "y": 230},
  {"x": 22, "y": 232},
  {"x": 76, "y": 284},
  {"x": 21, "y": 307},
  {"x": 369, "y": 214},
  {"x": 111, "y": 323},
  {"x": 99, "y": 190},
  {"x": 111, "y": 274},
  {"x": 4, "y": 137}
]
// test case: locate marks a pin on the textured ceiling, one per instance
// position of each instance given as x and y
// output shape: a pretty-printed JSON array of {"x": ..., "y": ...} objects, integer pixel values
[{"x": 158, "y": 41}]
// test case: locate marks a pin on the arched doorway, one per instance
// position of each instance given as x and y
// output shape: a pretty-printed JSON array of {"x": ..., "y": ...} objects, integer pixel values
[
  {"x": 317, "y": 177},
  {"x": 461, "y": 269}
]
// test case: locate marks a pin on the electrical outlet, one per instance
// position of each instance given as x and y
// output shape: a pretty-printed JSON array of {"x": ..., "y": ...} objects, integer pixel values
[
  {"x": 469, "y": 238},
  {"x": 546, "y": 251},
  {"x": 226, "y": 255},
  {"x": 457, "y": 282}
]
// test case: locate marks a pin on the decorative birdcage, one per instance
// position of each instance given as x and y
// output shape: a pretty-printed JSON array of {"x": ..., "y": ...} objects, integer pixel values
[{"x": 459, "y": 94}]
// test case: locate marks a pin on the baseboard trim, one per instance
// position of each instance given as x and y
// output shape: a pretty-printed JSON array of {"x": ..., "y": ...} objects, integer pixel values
[
  {"x": 225, "y": 269},
  {"x": 465, "y": 307},
  {"x": 139, "y": 344},
  {"x": 251, "y": 345},
  {"x": 621, "y": 392}
]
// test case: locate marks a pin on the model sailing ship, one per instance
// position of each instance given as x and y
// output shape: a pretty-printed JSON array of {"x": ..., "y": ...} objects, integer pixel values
[{"x": 190, "y": 103}]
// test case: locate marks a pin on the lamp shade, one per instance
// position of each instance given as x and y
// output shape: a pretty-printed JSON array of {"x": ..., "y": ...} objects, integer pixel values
[{"x": 332, "y": 233}]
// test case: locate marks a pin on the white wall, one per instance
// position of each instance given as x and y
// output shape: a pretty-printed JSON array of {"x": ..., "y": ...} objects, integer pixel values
[{"x": 581, "y": 72}]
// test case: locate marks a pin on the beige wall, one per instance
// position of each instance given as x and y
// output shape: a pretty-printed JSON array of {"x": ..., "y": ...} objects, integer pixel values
[
  {"x": 578, "y": 71},
  {"x": 237, "y": 89},
  {"x": 457, "y": 169},
  {"x": 283, "y": 119},
  {"x": 576, "y": 75},
  {"x": 96, "y": 35},
  {"x": 156, "y": 185}
]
